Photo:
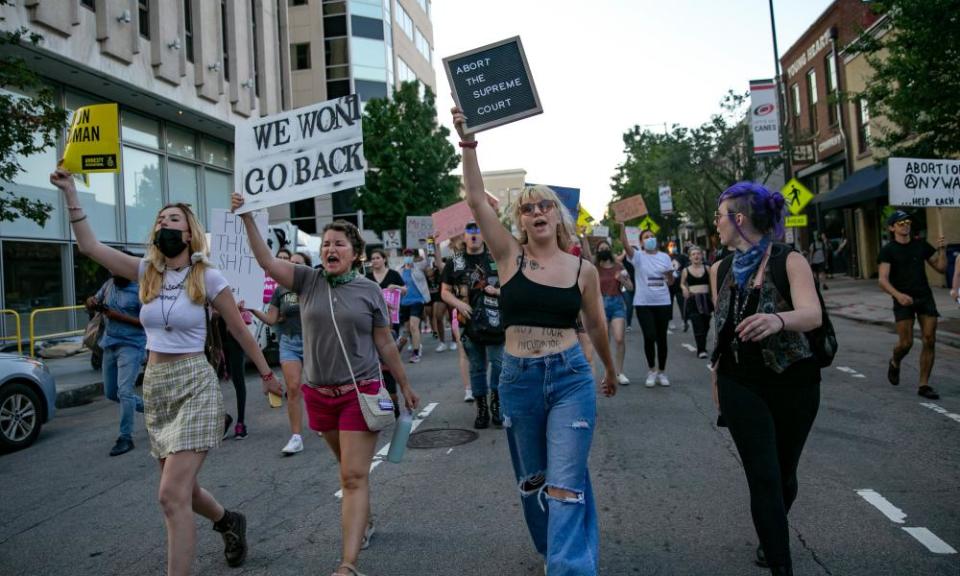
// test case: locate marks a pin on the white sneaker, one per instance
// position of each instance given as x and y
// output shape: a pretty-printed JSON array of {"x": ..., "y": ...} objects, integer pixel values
[
  {"x": 662, "y": 379},
  {"x": 623, "y": 380},
  {"x": 702, "y": 355},
  {"x": 671, "y": 325},
  {"x": 651, "y": 379},
  {"x": 442, "y": 347},
  {"x": 453, "y": 346},
  {"x": 467, "y": 396},
  {"x": 294, "y": 445}
]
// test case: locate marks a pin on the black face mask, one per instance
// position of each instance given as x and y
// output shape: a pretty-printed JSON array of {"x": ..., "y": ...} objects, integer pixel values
[
  {"x": 605, "y": 255},
  {"x": 121, "y": 282},
  {"x": 169, "y": 242}
]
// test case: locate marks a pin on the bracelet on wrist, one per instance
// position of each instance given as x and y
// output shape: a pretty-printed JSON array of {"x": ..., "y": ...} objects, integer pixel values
[
  {"x": 80, "y": 219},
  {"x": 74, "y": 207},
  {"x": 783, "y": 325},
  {"x": 268, "y": 376},
  {"x": 470, "y": 144}
]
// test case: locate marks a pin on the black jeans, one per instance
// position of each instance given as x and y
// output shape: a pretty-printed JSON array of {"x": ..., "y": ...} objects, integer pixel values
[
  {"x": 769, "y": 422},
  {"x": 701, "y": 327},
  {"x": 654, "y": 321},
  {"x": 236, "y": 363}
]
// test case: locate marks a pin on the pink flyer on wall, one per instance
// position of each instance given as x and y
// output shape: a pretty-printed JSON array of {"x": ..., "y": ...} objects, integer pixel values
[{"x": 392, "y": 296}]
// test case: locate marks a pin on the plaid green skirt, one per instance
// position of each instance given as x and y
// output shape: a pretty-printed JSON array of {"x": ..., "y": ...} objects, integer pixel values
[{"x": 182, "y": 406}]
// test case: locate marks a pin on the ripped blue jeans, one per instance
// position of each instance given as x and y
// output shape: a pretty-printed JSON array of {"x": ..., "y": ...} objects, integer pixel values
[{"x": 549, "y": 407}]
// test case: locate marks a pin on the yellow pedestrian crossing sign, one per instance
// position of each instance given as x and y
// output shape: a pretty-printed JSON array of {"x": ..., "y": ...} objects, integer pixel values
[
  {"x": 648, "y": 224},
  {"x": 797, "y": 221},
  {"x": 797, "y": 196}
]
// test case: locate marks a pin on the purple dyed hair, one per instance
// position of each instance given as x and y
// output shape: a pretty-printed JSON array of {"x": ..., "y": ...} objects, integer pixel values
[{"x": 763, "y": 207}]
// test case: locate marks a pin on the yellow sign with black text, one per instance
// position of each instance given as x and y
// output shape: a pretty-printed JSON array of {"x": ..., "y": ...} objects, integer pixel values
[
  {"x": 797, "y": 196},
  {"x": 797, "y": 221},
  {"x": 648, "y": 224},
  {"x": 93, "y": 140}
]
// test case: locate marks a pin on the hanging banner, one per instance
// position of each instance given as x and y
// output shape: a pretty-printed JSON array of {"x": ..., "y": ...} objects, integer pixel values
[
  {"x": 93, "y": 140},
  {"x": 629, "y": 208},
  {"x": 418, "y": 228},
  {"x": 764, "y": 118},
  {"x": 493, "y": 85},
  {"x": 303, "y": 153},
  {"x": 230, "y": 252},
  {"x": 916, "y": 182},
  {"x": 666, "y": 199}
]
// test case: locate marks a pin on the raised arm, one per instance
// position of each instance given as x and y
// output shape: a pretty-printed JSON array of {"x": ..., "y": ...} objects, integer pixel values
[
  {"x": 226, "y": 306},
  {"x": 595, "y": 324},
  {"x": 499, "y": 240},
  {"x": 627, "y": 248},
  {"x": 585, "y": 247},
  {"x": 110, "y": 258},
  {"x": 279, "y": 270}
]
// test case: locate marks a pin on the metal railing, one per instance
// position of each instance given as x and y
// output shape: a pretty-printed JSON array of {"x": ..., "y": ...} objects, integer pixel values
[
  {"x": 34, "y": 337},
  {"x": 17, "y": 337}
]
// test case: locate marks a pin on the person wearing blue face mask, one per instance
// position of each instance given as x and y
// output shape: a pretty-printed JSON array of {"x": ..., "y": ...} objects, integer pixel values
[
  {"x": 653, "y": 277},
  {"x": 411, "y": 305}
]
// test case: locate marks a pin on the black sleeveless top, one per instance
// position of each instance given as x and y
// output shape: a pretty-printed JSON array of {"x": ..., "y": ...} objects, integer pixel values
[
  {"x": 524, "y": 302},
  {"x": 698, "y": 280}
]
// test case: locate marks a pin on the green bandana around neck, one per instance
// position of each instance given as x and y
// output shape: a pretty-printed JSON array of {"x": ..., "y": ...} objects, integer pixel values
[{"x": 342, "y": 278}]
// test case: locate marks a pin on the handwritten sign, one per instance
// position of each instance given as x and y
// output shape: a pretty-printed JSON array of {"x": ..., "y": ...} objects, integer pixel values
[
  {"x": 418, "y": 228},
  {"x": 392, "y": 297},
  {"x": 493, "y": 85},
  {"x": 93, "y": 140},
  {"x": 303, "y": 153},
  {"x": 450, "y": 221},
  {"x": 633, "y": 236},
  {"x": 600, "y": 231},
  {"x": 230, "y": 252},
  {"x": 629, "y": 208},
  {"x": 391, "y": 239},
  {"x": 915, "y": 182}
]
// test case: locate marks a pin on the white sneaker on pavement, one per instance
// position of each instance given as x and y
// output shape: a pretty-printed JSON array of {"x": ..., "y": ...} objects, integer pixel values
[
  {"x": 467, "y": 396},
  {"x": 294, "y": 445},
  {"x": 662, "y": 379},
  {"x": 453, "y": 346},
  {"x": 623, "y": 380},
  {"x": 702, "y": 355},
  {"x": 442, "y": 347},
  {"x": 651, "y": 379}
]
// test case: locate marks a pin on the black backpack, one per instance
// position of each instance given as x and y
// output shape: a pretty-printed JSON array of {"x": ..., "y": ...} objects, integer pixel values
[{"x": 823, "y": 340}]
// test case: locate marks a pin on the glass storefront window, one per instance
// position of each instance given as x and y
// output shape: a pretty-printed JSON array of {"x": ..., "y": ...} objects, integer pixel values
[
  {"x": 143, "y": 195},
  {"x": 88, "y": 276},
  {"x": 217, "y": 187},
  {"x": 33, "y": 278},
  {"x": 99, "y": 201},
  {"x": 139, "y": 129},
  {"x": 182, "y": 182},
  {"x": 181, "y": 141},
  {"x": 217, "y": 153}
]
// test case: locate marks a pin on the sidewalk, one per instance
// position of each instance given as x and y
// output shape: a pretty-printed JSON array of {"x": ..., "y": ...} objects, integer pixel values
[{"x": 863, "y": 301}]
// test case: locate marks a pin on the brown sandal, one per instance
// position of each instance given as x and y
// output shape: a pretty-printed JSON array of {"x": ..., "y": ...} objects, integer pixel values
[{"x": 351, "y": 570}]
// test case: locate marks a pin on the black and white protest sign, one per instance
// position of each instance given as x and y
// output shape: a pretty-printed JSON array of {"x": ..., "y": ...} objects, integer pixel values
[
  {"x": 391, "y": 239},
  {"x": 916, "y": 182},
  {"x": 493, "y": 85},
  {"x": 230, "y": 252},
  {"x": 307, "y": 152}
]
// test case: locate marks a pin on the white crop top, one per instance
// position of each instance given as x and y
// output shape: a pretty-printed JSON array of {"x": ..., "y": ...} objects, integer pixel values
[{"x": 175, "y": 324}]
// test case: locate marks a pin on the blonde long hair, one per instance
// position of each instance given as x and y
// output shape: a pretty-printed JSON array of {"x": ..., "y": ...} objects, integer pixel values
[
  {"x": 565, "y": 228},
  {"x": 152, "y": 280}
]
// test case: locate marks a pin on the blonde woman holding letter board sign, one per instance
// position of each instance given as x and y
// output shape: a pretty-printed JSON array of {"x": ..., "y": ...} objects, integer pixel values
[
  {"x": 345, "y": 325},
  {"x": 183, "y": 407},
  {"x": 546, "y": 384}
]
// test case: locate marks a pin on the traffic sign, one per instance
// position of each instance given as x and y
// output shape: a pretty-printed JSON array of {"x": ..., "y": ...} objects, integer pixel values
[
  {"x": 797, "y": 196},
  {"x": 648, "y": 224},
  {"x": 797, "y": 221}
]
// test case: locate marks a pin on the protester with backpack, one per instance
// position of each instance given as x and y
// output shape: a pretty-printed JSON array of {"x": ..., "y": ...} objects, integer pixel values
[{"x": 766, "y": 374}]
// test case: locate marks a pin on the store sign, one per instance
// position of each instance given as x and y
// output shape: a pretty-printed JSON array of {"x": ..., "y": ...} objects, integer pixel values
[
  {"x": 303, "y": 153},
  {"x": 764, "y": 117},
  {"x": 917, "y": 182},
  {"x": 493, "y": 85},
  {"x": 803, "y": 153},
  {"x": 818, "y": 45},
  {"x": 829, "y": 143}
]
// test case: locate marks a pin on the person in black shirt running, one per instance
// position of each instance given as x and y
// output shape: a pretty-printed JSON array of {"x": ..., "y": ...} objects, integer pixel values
[{"x": 902, "y": 275}]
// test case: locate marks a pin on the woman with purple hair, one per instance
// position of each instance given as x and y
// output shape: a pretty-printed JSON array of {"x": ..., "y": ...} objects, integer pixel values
[{"x": 766, "y": 381}]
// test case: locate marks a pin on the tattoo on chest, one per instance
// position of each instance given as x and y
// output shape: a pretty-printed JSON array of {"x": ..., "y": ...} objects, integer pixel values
[{"x": 523, "y": 263}]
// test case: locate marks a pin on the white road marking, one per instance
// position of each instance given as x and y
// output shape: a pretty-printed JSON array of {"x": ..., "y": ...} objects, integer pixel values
[
  {"x": 930, "y": 540},
  {"x": 689, "y": 347},
  {"x": 450, "y": 450},
  {"x": 382, "y": 453},
  {"x": 669, "y": 331},
  {"x": 883, "y": 505},
  {"x": 940, "y": 410},
  {"x": 850, "y": 371}
]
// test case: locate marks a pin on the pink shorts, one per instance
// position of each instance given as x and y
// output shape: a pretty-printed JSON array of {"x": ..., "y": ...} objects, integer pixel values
[{"x": 325, "y": 413}]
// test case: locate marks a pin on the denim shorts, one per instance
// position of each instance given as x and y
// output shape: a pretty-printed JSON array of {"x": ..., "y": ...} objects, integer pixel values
[
  {"x": 291, "y": 348},
  {"x": 614, "y": 308},
  {"x": 410, "y": 311}
]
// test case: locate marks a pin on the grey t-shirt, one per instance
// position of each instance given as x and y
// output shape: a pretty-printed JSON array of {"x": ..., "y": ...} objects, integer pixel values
[
  {"x": 288, "y": 303},
  {"x": 359, "y": 307}
]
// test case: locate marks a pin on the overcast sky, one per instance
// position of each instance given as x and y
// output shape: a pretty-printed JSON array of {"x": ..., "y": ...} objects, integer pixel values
[{"x": 603, "y": 66}]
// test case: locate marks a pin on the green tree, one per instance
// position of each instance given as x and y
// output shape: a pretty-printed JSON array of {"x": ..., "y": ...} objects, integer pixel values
[
  {"x": 916, "y": 81},
  {"x": 410, "y": 160},
  {"x": 30, "y": 125}
]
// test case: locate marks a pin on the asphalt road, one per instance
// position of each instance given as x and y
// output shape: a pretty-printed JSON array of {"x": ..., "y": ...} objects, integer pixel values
[{"x": 671, "y": 493}]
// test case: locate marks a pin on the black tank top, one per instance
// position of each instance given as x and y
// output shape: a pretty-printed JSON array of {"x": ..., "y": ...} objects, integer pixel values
[
  {"x": 524, "y": 302},
  {"x": 698, "y": 280}
]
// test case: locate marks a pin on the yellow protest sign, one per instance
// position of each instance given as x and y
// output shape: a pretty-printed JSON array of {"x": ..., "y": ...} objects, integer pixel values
[
  {"x": 584, "y": 221},
  {"x": 797, "y": 221},
  {"x": 93, "y": 141},
  {"x": 797, "y": 196},
  {"x": 648, "y": 224}
]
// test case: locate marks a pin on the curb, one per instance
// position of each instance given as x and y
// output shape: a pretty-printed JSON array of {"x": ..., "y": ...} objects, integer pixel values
[
  {"x": 80, "y": 395},
  {"x": 947, "y": 338}
]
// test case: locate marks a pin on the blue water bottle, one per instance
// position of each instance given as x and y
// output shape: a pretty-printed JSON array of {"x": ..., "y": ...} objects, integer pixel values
[{"x": 401, "y": 433}]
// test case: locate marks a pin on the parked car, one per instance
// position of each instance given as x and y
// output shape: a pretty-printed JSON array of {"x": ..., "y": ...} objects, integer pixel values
[{"x": 27, "y": 400}]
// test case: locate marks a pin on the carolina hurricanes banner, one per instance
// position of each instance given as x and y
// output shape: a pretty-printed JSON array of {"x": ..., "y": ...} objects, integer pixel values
[{"x": 764, "y": 119}]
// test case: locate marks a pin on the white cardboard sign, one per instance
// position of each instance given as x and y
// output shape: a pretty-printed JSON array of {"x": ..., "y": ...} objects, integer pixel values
[
  {"x": 303, "y": 153},
  {"x": 916, "y": 182},
  {"x": 231, "y": 254},
  {"x": 418, "y": 228}
]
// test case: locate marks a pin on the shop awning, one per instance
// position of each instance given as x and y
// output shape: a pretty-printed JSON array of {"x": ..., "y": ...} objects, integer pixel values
[{"x": 864, "y": 184}]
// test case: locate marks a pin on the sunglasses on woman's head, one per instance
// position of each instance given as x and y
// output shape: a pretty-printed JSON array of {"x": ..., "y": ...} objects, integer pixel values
[{"x": 544, "y": 206}]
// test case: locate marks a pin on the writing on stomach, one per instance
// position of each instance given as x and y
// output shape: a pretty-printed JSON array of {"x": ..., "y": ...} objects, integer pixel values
[{"x": 532, "y": 341}]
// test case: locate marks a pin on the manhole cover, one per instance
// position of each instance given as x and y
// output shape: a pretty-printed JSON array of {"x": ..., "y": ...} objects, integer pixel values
[{"x": 441, "y": 438}]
